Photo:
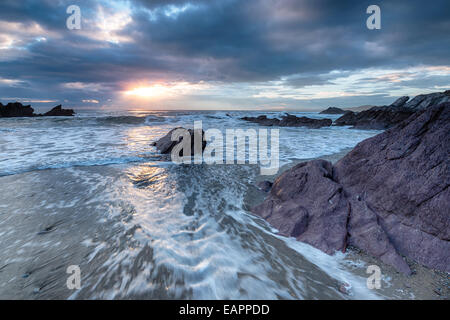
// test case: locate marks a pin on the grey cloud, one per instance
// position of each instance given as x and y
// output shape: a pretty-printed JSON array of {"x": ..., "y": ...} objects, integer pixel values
[{"x": 227, "y": 41}]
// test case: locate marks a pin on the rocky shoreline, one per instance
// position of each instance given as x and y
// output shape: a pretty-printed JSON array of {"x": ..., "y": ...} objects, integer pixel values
[
  {"x": 289, "y": 120},
  {"x": 374, "y": 118},
  {"x": 384, "y": 117},
  {"x": 388, "y": 197},
  {"x": 16, "y": 109}
]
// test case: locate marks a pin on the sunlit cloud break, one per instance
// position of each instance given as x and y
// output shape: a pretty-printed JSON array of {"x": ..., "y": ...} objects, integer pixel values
[{"x": 221, "y": 53}]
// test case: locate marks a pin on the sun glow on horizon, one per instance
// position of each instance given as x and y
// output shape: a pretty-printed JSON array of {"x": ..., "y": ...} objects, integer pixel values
[
  {"x": 156, "y": 90},
  {"x": 159, "y": 90}
]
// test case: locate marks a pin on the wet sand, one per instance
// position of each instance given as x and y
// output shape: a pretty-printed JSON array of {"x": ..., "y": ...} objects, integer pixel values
[{"x": 51, "y": 219}]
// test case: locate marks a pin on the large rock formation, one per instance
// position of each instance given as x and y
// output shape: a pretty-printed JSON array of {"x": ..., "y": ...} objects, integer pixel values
[
  {"x": 332, "y": 110},
  {"x": 16, "y": 109},
  {"x": 290, "y": 120},
  {"x": 388, "y": 197},
  {"x": 384, "y": 117}
]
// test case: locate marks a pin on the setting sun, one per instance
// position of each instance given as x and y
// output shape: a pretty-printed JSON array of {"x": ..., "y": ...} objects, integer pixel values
[
  {"x": 156, "y": 90},
  {"x": 164, "y": 90}
]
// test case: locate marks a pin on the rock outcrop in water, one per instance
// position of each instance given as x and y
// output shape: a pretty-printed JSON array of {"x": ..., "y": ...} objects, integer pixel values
[
  {"x": 290, "y": 120},
  {"x": 387, "y": 116},
  {"x": 58, "y": 111},
  {"x": 165, "y": 145},
  {"x": 333, "y": 110},
  {"x": 389, "y": 196},
  {"x": 16, "y": 109}
]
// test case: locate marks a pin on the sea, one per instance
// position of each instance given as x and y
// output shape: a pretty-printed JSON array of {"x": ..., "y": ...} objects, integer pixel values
[{"x": 91, "y": 191}]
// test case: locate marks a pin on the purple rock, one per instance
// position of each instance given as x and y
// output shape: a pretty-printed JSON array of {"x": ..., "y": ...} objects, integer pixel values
[
  {"x": 404, "y": 175},
  {"x": 389, "y": 196}
]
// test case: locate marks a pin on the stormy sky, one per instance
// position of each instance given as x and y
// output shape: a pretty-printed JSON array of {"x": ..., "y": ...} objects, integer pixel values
[{"x": 222, "y": 54}]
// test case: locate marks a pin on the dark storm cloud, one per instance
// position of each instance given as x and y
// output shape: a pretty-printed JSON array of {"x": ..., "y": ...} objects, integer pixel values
[{"x": 219, "y": 40}]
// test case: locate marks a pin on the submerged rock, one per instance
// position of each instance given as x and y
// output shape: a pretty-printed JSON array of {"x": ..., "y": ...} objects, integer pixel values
[
  {"x": 290, "y": 120},
  {"x": 388, "y": 197},
  {"x": 332, "y": 110}
]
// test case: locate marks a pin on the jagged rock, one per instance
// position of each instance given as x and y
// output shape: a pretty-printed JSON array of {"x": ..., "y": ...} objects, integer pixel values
[
  {"x": 377, "y": 118},
  {"x": 403, "y": 175},
  {"x": 165, "y": 144},
  {"x": 424, "y": 101},
  {"x": 59, "y": 111},
  {"x": 348, "y": 119},
  {"x": 289, "y": 120},
  {"x": 384, "y": 117},
  {"x": 388, "y": 197},
  {"x": 16, "y": 109},
  {"x": 332, "y": 110},
  {"x": 307, "y": 204},
  {"x": 400, "y": 102}
]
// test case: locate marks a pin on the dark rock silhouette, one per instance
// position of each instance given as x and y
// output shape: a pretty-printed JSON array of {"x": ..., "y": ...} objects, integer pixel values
[
  {"x": 165, "y": 145},
  {"x": 59, "y": 112},
  {"x": 16, "y": 109},
  {"x": 389, "y": 196},
  {"x": 332, "y": 110},
  {"x": 289, "y": 120}
]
